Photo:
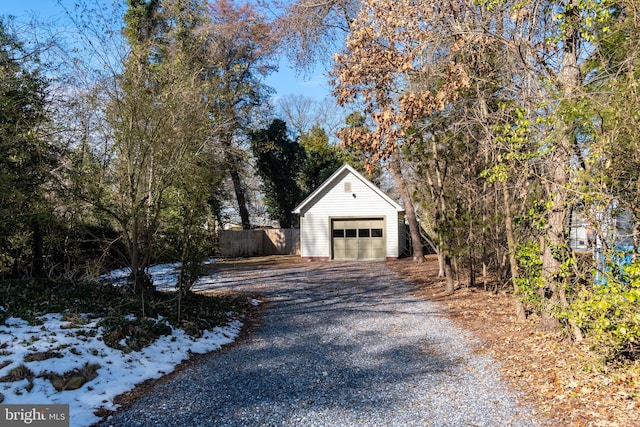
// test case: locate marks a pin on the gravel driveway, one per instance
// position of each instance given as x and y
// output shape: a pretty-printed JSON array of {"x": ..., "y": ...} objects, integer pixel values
[{"x": 341, "y": 344}]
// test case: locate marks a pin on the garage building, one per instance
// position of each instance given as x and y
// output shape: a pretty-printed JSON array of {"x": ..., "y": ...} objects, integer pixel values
[{"x": 349, "y": 218}]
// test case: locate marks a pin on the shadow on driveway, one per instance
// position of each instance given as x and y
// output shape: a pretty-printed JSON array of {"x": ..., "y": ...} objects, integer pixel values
[{"x": 339, "y": 344}]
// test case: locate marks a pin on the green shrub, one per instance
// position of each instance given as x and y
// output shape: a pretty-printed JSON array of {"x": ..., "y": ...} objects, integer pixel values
[
  {"x": 609, "y": 314},
  {"x": 136, "y": 333},
  {"x": 530, "y": 281}
]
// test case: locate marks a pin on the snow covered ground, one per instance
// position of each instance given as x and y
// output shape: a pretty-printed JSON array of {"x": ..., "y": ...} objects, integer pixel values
[{"x": 80, "y": 343}]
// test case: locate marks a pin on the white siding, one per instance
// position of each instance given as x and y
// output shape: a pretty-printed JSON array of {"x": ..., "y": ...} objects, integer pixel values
[{"x": 361, "y": 202}]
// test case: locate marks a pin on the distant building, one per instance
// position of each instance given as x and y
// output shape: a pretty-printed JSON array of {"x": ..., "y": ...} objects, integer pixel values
[{"x": 610, "y": 229}]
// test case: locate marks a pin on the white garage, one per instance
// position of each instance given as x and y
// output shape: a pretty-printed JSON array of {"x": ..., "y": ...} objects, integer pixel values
[{"x": 349, "y": 218}]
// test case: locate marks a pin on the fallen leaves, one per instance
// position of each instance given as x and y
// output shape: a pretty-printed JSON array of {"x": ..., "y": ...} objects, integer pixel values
[
  {"x": 73, "y": 379},
  {"x": 566, "y": 381}
]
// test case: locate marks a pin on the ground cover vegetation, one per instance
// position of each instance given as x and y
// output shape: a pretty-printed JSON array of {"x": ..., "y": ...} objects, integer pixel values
[
  {"x": 85, "y": 343},
  {"x": 124, "y": 325},
  {"x": 510, "y": 130}
]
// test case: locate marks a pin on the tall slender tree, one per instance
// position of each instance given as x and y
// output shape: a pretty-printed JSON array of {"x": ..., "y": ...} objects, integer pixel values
[
  {"x": 158, "y": 126},
  {"x": 385, "y": 46},
  {"x": 239, "y": 54}
]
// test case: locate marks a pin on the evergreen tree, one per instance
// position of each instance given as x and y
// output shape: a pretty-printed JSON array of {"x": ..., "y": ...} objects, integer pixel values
[
  {"x": 26, "y": 160},
  {"x": 320, "y": 161},
  {"x": 278, "y": 160}
]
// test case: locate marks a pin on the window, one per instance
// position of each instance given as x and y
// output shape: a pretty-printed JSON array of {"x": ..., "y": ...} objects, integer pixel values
[
  {"x": 363, "y": 232},
  {"x": 338, "y": 233},
  {"x": 376, "y": 232},
  {"x": 350, "y": 232}
]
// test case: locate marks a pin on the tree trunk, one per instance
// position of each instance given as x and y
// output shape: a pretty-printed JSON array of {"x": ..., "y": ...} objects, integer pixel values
[
  {"x": 636, "y": 241},
  {"x": 455, "y": 269},
  {"x": 396, "y": 174},
  {"x": 555, "y": 250},
  {"x": 635, "y": 231},
  {"x": 448, "y": 273},
  {"x": 521, "y": 315},
  {"x": 437, "y": 191},
  {"x": 441, "y": 269},
  {"x": 37, "y": 247},
  {"x": 471, "y": 242},
  {"x": 240, "y": 197},
  {"x": 233, "y": 162}
]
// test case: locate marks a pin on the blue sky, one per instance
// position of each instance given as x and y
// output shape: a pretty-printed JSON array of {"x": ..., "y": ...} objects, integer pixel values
[{"x": 286, "y": 81}]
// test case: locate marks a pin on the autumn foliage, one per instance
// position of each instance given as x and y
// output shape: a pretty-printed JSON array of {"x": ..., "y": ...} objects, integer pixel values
[{"x": 386, "y": 57}]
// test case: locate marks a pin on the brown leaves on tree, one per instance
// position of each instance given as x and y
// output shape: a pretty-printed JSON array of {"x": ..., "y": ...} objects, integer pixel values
[
  {"x": 308, "y": 29},
  {"x": 399, "y": 65}
]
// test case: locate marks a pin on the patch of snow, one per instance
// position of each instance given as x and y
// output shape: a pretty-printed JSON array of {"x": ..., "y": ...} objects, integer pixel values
[
  {"x": 119, "y": 372},
  {"x": 164, "y": 276}
]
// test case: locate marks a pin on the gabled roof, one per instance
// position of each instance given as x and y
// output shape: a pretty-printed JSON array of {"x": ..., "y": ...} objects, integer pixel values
[{"x": 333, "y": 180}]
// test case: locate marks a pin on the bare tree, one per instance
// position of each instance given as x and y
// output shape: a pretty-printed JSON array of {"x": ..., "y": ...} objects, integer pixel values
[
  {"x": 303, "y": 113},
  {"x": 155, "y": 126},
  {"x": 239, "y": 48},
  {"x": 309, "y": 30}
]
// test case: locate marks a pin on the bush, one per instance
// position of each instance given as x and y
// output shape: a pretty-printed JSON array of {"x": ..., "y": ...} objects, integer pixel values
[
  {"x": 128, "y": 334},
  {"x": 609, "y": 313},
  {"x": 530, "y": 281}
]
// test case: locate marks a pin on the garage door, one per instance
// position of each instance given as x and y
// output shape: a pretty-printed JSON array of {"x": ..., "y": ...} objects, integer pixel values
[{"x": 358, "y": 239}]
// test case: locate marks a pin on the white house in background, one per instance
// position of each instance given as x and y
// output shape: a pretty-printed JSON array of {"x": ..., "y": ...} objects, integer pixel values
[
  {"x": 349, "y": 218},
  {"x": 613, "y": 228}
]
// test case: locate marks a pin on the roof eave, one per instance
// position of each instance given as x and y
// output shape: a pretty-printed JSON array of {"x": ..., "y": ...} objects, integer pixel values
[{"x": 329, "y": 181}]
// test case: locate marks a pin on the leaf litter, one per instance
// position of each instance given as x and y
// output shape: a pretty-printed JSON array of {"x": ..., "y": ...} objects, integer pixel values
[{"x": 567, "y": 381}]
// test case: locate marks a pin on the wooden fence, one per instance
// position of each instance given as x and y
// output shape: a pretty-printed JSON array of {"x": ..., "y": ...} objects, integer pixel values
[{"x": 246, "y": 243}]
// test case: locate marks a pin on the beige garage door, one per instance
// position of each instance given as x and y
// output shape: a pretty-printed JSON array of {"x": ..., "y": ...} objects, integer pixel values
[{"x": 358, "y": 239}]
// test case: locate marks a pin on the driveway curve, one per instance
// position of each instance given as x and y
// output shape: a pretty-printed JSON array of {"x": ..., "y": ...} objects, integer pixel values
[{"x": 339, "y": 344}]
